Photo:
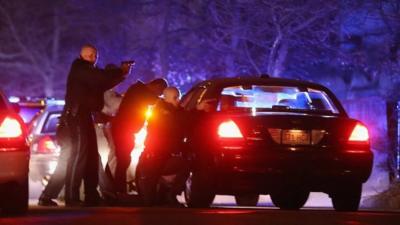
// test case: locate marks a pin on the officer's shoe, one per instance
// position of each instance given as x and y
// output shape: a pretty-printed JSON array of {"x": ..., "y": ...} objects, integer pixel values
[{"x": 46, "y": 201}]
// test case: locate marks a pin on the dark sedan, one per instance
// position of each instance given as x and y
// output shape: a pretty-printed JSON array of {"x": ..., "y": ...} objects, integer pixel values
[{"x": 281, "y": 137}]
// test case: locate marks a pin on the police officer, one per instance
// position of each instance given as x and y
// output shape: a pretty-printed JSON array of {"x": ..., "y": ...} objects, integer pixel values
[
  {"x": 129, "y": 119},
  {"x": 86, "y": 85},
  {"x": 57, "y": 179},
  {"x": 162, "y": 156}
]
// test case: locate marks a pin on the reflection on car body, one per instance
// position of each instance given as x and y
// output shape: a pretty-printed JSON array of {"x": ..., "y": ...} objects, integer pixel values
[{"x": 281, "y": 137}]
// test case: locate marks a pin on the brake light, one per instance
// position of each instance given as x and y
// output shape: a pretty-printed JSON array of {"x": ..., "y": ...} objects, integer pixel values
[
  {"x": 46, "y": 145},
  {"x": 10, "y": 128},
  {"x": 229, "y": 129},
  {"x": 359, "y": 133}
]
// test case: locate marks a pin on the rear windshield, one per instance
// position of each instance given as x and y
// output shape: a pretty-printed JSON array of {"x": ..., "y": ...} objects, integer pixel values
[
  {"x": 51, "y": 123},
  {"x": 275, "y": 98}
]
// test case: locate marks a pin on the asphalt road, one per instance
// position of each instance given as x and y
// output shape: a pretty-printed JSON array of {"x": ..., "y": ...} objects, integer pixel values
[{"x": 214, "y": 216}]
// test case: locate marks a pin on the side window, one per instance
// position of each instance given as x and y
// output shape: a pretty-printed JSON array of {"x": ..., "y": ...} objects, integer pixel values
[
  {"x": 51, "y": 123},
  {"x": 190, "y": 100}
]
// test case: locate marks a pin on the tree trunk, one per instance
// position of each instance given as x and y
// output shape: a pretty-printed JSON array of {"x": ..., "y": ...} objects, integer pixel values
[
  {"x": 392, "y": 132},
  {"x": 273, "y": 55},
  {"x": 164, "y": 53},
  {"x": 279, "y": 64},
  {"x": 48, "y": 87},
  {"x": 234, "y": 42}
]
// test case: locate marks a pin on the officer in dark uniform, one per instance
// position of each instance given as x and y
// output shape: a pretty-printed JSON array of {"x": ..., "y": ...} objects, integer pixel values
[
  {"x": 57, "y": 179},
  {"x": 86, "y": 85},
  {"x": 129, "y": 119},
  {"x": 161, "y": 169}
]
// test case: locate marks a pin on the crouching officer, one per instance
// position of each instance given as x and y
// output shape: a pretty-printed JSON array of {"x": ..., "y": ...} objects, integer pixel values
[{"x": 161, "y": 171}]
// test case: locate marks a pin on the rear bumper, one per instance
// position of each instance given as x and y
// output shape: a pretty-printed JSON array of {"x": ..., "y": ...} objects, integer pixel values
[
  {"x": 14, "y": 166},
  {"x": 317, "y": 171}
]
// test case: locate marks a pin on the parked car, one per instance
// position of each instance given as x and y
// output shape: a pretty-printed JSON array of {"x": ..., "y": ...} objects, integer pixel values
[
  {"x": 14, "y": 160},
  {"x": 281, "y": 137},
  {"x": 43, "y": 144}
]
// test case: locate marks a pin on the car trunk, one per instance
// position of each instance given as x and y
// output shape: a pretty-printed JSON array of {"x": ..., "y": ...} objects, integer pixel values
[{"x": 295, "y": 129}]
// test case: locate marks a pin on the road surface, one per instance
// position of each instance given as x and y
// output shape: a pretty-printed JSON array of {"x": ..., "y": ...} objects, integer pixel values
[{"x": 215, "y": 216}]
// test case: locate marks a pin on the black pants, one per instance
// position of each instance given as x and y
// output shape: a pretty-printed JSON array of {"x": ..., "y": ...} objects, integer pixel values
[
  {"x": 57, "y": 179},
  {"x": 174, "y": 175},
  {"x": 124, "y": 144},
  {"x": 83, "y": 162},
  {"x": 160, "y": 179}
]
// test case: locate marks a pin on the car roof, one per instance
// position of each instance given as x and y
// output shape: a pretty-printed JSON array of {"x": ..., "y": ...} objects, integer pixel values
[
  {"x": 54, "y": 107},
  {"x": 231, "y": 81}
]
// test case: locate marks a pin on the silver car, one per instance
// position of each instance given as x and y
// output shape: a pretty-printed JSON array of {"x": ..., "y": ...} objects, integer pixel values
[
  {"x": 43, "y": 144},
  {"x": 45, "y": 150}
]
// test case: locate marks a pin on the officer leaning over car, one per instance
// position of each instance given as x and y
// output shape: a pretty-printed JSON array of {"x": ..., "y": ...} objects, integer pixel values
[
  {"x": 86, "y": 85},
  {"x": 129, "y": 119}
]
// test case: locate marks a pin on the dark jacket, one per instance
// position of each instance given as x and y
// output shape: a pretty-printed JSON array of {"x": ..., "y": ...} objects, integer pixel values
[
  {"x": 131, "y": 114},
  {"x": 86, "y": 85},
  {"x": 165, "y": 130}
]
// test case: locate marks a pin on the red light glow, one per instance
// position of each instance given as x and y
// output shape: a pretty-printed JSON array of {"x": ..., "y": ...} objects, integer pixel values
[
  {"x": 229, "y": 129},
  {"x": 10, "y": 128},
  {"x": 46, "y": 145},
  {"x": 360, "y": 133}
]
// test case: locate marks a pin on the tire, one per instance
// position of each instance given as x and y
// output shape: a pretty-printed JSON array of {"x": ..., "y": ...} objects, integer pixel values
[
  {"x": 347, "y": 199},
  {"x": 290, "y": 199},
  {"x": 199, "y": 191},
  {"x": 247, "y": 199},
  {"x": 16, "y": 199}
]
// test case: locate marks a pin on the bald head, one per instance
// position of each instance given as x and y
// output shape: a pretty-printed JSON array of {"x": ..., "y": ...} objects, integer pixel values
[
  {"x": 172, "y": 95},
  {"x": 89, "y": 53}
]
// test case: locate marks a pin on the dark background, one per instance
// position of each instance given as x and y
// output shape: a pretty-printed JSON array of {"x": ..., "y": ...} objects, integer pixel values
[{"x": 352, "y": 46}]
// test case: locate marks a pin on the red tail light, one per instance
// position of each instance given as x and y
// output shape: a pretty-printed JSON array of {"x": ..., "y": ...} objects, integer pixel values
[
  {"x": 10, "y": 128},
  {"x": 359, "y": 134},
  {"x": 46, "y": 145},
  {"x": 229, "y": 129}
]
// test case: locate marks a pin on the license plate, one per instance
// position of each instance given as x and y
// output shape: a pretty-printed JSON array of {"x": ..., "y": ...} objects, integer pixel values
[{"x": 295, "y": 137}]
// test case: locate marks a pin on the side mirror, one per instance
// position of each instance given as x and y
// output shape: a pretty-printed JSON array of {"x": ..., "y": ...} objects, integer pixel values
[{"x": 16, "y": 107}]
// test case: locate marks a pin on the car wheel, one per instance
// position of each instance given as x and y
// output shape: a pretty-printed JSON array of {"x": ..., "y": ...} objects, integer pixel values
[
  {"x": 15, "y": 200},
  {"x": 247, "y": 199},
  {"x": 290, "y": 199},
  {"x": 198, "y": 190},
  {"x": 347, "y": 198}
]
